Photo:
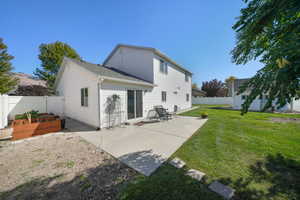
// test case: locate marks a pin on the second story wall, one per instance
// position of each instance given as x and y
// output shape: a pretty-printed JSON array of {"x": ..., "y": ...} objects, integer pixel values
[
  {"x": 137, "y": 62},
  {"x": 173, "y": 83}
]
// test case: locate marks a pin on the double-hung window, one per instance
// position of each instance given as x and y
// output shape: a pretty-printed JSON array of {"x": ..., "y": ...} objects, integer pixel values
[
  {"x": 163, "y": 96},
  {"x": 84, "y": 97},
  {"x": 186, "y": 77},
  {"x": 163, "y": 67},
  {"x": 187, "y": 97}
]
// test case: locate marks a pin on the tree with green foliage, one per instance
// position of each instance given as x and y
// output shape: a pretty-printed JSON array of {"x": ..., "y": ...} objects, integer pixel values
[
  {"x": 51, "y": 56},
  {"x": 7, "y": 81},
  {"x": 269, "y": 30}
]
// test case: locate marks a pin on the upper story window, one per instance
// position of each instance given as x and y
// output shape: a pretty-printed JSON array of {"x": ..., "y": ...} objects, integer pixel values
[
  {"x": 186, "y": 77},
  {"x": 84, "y": 97},
  {"x": 163, "y": 67},
  {"x": 163, "y": 96},
  {"x": 187, "y": 97}
]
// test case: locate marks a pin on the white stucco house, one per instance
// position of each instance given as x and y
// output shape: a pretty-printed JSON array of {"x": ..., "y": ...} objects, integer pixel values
[
  {"x": 258, "y": 103},
  {"x": 141, "y": 78}
]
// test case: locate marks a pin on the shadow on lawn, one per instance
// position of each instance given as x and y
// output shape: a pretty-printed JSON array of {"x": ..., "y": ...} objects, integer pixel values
[
  {"x": 280, "y": 173},
  {"x": 102, "y": 182},
  {"x": 167, "y": 183}
]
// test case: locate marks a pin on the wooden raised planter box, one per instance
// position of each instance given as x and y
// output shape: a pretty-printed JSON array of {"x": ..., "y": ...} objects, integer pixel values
[{"x": 23, "y": 129}]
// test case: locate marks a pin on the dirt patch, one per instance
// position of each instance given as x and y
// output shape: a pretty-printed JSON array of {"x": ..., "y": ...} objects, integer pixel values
[
  {"x": 285, "y": 120},
  {"x": 59, "y": 167}
]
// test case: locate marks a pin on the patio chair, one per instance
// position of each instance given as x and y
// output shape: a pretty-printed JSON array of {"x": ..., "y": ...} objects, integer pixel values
[{"x": 162, "y": 113}]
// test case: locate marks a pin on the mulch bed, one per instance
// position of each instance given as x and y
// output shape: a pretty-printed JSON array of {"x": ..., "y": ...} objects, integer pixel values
[{"x": 60, "y": 167}]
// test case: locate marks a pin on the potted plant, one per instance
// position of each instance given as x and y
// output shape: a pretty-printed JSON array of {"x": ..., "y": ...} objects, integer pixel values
[
  {"x": 28, "y": 116},
  {"x": 204, "y": 115}
]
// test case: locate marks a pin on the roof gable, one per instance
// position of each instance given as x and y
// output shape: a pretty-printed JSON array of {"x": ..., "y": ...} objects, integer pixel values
[
  {"x": 100, "y": 70},
  {"x": 155, "y": 51}
]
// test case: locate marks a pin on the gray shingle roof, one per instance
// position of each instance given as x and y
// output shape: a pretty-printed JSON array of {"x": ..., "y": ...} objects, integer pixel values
[
  {"x": 28, "y": 79},
  {"x": 108, "y": 71}
]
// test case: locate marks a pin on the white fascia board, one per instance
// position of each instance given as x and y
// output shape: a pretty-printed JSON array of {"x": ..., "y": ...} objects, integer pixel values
[{"x": 128, "y": 81}]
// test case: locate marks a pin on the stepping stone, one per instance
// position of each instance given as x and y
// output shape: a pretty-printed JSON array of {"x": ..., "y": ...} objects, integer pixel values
[
  {"x": 223, "y": 190},
  {"x": 195, "y": 174},
  {"x": 176, "y": 162}
]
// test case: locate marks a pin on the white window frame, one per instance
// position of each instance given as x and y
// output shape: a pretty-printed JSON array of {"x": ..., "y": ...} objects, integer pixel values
[
  {"x": 186, "y": 77},
  {"x": 135, "y": 109},
  {"x": 84, "y": 97},
  {"x": 187, "y": 96},
  {"x": 163, "y": 66}
]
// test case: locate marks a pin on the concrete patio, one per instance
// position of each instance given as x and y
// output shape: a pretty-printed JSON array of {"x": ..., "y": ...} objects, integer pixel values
[{"x": 143, "y": 148}]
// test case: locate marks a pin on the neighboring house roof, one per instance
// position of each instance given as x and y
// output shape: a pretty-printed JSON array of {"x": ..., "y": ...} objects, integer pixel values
[
  {"x": 239, "y": 82},
  {"x": 198, "y": 93},
  {"x": 28, "y": 80},
  {"x": 29, "y": 86},
  {"x": 149, "y": 49},
  {"x": 103, "y": 71}
]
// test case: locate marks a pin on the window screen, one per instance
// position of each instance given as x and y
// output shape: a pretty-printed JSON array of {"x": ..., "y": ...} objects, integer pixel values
[
  {"x": 163, "y": 67},
  {"x": 186, "y": 77},
  {"x": 84, "y": 97},
  {"x": 163, "y": 96}
]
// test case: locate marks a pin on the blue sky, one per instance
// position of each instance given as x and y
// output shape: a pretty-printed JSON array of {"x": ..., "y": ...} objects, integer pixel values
[{"x": 195, "y": 33}]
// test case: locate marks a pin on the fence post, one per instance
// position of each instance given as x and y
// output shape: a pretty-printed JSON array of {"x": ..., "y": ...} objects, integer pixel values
[
  {"x": 3, "y": 110},
  {"x": 46, "y": 104}
]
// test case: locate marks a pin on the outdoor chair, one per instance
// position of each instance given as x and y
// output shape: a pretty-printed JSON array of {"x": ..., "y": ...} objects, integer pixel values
[{"x": 162, "y": 113}]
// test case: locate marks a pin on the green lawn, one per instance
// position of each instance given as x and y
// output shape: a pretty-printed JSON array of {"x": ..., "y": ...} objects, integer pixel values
[{"x": 257, "y": 157}]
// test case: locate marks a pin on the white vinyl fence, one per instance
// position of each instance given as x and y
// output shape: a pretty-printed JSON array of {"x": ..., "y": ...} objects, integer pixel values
[
  {"x": 13, "y": 105},
  {"x": 212, "y": 100},
  {"x": 296, "y": 105}
]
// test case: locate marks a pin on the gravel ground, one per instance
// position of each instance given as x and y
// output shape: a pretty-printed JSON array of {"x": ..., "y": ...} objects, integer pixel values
[{"x": 59, "y": 167}]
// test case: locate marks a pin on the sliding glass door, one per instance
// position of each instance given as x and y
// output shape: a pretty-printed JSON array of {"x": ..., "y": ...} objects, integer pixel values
[
  {"x": 139, "y": 103},
  {"x": 130, "y": 104},
  {"x": 134, "y": 104}
]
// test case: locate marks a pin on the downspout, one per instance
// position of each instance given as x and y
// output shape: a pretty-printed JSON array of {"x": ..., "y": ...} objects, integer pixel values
[
  {"x": 46, "y": 100},
  {"x": 100, "y": 80}
]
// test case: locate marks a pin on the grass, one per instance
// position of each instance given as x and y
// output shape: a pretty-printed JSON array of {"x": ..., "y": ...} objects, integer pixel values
[
  {"x": 229, "y": 142},
  {"x": 257, "y": 157},
  {"x": 168, "y": 183},
  {"x": 84, "y": 183},
  {"x": 70, "y": 164},
  {"x": 36, "y": 163},
  {"x": 67, "y": 164}
]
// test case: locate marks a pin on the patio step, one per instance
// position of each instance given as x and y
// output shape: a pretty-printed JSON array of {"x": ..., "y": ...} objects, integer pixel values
[
  {"x": 223, "y": 190},
  {"x": 195, "y": 174},
  {"x": 176, "y": 162}
]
